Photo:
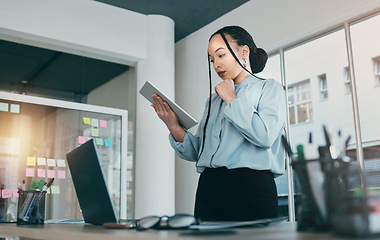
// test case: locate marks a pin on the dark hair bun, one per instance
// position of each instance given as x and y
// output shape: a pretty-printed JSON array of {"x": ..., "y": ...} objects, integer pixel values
[{"x": 258, "y": 60}]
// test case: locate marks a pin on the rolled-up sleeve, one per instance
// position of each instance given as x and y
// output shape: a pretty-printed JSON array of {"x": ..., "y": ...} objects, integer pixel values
[
  {"x": 259, "y": 115},
  {"x": 188, "y": 149}
]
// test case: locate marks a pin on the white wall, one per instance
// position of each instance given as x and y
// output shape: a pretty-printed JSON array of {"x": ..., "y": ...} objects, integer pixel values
[
  {"x": 92, "y": 29},
  {"x": 81, "y": 27},
  {"x": 273, "y": 24}
]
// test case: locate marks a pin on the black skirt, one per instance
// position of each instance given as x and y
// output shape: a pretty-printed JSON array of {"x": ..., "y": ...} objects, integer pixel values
[{"x": 235, "y": 195}]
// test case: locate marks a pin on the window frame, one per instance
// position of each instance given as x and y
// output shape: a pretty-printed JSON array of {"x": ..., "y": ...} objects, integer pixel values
[
  {"x": 376, "y": 69},
  {"x": 296, "y": 103},
  {"x": 347, "y": 80},
  {"x": 322, "y": 96}
]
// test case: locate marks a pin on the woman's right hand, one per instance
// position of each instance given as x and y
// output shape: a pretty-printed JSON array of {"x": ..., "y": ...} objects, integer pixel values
[{"x": 164, "y": 112}]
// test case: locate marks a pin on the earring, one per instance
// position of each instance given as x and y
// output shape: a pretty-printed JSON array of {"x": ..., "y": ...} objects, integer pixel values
[{"x": 244, "y": 63}]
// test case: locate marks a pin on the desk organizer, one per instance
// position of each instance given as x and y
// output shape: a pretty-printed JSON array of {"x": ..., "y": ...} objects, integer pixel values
[
  {"x": 31, "y": 207},
  {"x": 351, "y": 197}
]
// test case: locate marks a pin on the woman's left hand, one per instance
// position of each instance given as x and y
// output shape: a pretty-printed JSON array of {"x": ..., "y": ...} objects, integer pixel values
[{"x": 226, "y": 90}]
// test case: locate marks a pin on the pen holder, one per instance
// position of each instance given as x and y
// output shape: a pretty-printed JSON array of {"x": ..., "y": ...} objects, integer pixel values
[
  {"x": 31, "y": 207},
  {"x": 312, "y": 215},
  {"x": 347, "y": 199}
]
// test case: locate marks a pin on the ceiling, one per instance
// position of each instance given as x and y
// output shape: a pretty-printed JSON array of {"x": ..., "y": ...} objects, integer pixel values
[
  {"x": 188, "y": 15},
  {"x": 25, "y": 67}
]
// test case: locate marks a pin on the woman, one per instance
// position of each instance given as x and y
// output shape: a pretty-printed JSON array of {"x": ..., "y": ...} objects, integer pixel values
[{"x": 237, "y": 148}]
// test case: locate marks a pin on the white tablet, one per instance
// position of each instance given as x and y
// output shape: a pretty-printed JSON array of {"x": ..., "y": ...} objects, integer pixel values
[{"x": 185, "y": 120}]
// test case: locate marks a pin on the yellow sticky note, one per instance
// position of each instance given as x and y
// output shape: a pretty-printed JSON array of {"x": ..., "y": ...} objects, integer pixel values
[
  {"x": 87, "y": 121},
  {"x": 54, "y": 189},
  {"x": 95, "y": 132},
  {"x": 31, "y": 161}
]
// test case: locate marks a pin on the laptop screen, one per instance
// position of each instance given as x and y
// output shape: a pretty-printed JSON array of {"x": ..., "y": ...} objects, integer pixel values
[{"x": 90, "y": 185}]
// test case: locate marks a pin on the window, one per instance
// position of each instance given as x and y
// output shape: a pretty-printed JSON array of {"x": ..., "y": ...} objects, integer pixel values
[
  {"x": 347, "y": 80},
  {"x": 323, "y": 87},
  {"x": 377, "y": 70},
  {"x": 299, "y": 98}
]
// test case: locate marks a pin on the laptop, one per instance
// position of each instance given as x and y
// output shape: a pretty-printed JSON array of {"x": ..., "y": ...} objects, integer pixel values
[{"x": 90, "y": 185}]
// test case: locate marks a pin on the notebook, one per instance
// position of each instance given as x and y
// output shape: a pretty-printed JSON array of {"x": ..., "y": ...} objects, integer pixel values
[
  {"x": 90, "y": 185},
  {"x": 185, "y": 120}
]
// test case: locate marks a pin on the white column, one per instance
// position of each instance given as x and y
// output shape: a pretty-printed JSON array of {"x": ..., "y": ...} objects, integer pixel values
[{"x": 154, "y": 169}]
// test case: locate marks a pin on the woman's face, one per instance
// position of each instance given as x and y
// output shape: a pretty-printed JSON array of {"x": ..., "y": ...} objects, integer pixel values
[{"x": 223, "y": 62}]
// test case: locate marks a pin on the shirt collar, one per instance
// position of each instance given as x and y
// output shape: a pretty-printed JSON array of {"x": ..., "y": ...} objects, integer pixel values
[{"x": 248, "y": 80}]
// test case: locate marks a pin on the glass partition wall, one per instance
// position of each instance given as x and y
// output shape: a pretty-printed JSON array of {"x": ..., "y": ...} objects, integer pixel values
[{"x": 34, "y": 71}]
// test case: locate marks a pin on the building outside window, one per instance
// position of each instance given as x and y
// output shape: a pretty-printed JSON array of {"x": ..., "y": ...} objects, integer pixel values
[
  {"x": 300, "y": 107},
  {"x": 323, "y": 87}
]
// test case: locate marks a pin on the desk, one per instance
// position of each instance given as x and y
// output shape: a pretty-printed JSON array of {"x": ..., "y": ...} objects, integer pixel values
[{"x": 277, "y": 231}]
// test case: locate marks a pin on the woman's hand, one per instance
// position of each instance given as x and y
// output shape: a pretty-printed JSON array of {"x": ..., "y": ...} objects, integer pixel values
[
  {"x": 166, "y": 114},
  {"x": 226, "y": 90}
]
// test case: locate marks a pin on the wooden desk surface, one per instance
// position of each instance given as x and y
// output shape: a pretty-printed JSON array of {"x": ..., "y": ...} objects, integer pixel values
[{"x": 277, "y": 231}]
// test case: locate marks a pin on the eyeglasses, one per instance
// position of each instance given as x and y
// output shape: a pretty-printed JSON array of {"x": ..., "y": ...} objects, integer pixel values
[{"x": 166, "y": 222}]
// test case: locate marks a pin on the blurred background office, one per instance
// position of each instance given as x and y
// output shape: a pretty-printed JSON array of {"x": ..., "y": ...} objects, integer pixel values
[{"x": 326, "y": 53}]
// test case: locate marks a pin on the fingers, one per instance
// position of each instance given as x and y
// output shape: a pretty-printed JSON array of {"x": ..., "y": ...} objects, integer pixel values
[
  {"x": 158, "y": 103},
  {"x": 161, "y": 107}
]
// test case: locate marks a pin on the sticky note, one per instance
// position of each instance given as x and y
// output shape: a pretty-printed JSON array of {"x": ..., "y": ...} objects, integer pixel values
[
  {"x": 61, "y": 174},
  {"x": 94, "y": 122},
  {"x": 61, "y": 163},
  {"x": 107, "y": 142},
  {"x": 54, "y": 189},
  {"x": 51, "y": 173},
  {"x": 95, "y": 132},
  {"x": 81, "y": 140},
  {"x": 87, "y": 121},
  {"x": 99, "y": 141},
  {"x": 103, "y": 123},
  {"x": 6, "y": 193},
  {"x": 15, "y": 193},
  {"x": 41, "y": 172},
  {"x": 4, "y": 107},
  {"x": 15, "y": 108},
  {"x": 30, "y": 172},
  {"x": 41, "y": 161},
  {"x": 31, "y": 161},
  {"x": 51, "y": 162},
  {"x": 48, "y": 191}
]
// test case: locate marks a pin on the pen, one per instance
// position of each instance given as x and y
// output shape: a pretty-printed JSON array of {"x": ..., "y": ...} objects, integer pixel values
[
  {"x": 328, "y": 143},
  {"x": 28, "y": 198},
  {"x": 347, "y": 141},
  {"x": 46, "y": 186},
  {"x": 286, "y": 146},
  {"x": 33, "y": 201}
]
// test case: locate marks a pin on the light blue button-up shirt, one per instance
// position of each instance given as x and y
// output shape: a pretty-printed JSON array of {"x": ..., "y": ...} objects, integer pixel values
[{"x": 245, "y": 133}]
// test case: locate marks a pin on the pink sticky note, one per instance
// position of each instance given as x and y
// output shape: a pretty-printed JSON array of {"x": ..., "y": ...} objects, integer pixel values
[
  {"x": 41, "y": 172},
  {"x": 103, "y": 123},
  {"x": 30, "y": 172},
  {"x": 15, "y": 193},
  {"x": 51, "y": 173},
  {"x": 81, "y": 140},
  {"x": 6, "y": 193},
  {"x": 61, "y": 174}
]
